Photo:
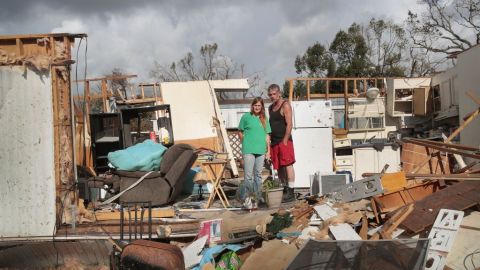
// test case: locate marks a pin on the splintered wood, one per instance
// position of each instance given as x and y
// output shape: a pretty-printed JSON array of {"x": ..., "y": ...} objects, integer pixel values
[
  {"x": 413, "y": 154},
  {"x": 456, "y": 197}
]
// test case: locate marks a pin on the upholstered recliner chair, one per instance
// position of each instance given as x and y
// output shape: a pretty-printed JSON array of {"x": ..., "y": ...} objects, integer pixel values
[{"x": 159, "y": 187}]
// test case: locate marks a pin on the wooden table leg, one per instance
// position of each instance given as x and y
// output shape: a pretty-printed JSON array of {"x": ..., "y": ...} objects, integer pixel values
[
  {"x": 220, "y": 187},
  {"x": 215, "y": 181}
]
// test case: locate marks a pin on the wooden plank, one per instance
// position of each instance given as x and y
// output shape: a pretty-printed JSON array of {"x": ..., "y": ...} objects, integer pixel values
[
  {"x": 364, "y": 229},
  {"x": 156, "y": 213},
  {"x": 308, "y": 90},
  {"x": 325, "y": 96},
  {"x": 108, "y": 78},
  {"x": 394, "y": 181},
  {"x": 449, "y": 145},
  {"x": 442, "y": 148},
  {"x": 460, "y": 196},
  {"x": 19, "y": 45},
  {"x": 104, "y": 96},
  {"x": 223, "y": 131},
  {"x": 393, "y": 223}
]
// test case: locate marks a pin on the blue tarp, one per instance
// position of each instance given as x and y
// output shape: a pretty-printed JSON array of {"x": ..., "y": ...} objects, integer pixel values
[{"x": 145, "y": 156}]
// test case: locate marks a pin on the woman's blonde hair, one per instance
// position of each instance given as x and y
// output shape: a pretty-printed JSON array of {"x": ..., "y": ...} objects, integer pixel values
[{"x": 262, "y": 112}]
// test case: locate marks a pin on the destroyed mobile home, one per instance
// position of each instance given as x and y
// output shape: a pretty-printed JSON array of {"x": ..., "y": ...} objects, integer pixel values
[{"x": 387, "y": 171}]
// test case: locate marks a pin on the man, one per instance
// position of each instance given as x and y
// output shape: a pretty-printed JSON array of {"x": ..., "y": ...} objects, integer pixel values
[{"x": 281, "y": 151}]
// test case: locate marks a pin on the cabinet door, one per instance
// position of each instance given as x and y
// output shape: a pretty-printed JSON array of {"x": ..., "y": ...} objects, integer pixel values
[{"x": 421, "y": 101}]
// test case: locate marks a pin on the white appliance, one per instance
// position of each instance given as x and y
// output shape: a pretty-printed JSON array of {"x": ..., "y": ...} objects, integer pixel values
[{"x": 312, "y": 139}]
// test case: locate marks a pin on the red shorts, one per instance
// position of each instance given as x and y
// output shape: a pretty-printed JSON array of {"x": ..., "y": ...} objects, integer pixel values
[{"x": 282, "y": 155}]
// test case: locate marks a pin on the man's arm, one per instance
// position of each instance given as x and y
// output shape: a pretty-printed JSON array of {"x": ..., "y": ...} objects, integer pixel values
[{"x": 287, "y": 112}]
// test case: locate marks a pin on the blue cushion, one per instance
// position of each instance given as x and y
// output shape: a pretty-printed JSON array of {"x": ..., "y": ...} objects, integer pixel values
[{"x": 145, "y": 156}]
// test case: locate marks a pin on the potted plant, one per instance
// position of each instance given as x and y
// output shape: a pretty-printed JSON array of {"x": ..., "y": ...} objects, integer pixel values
[{"x": 273, "y": 192}]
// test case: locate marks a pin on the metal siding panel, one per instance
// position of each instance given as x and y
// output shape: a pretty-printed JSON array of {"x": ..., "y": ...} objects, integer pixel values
[{"x": 27, "y": 193}]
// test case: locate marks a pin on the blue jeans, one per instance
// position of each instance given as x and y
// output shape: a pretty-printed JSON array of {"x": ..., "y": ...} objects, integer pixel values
[{"x": 252, "y": 167}]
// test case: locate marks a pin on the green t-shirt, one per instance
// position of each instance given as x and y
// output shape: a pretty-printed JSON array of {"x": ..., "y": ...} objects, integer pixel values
[{"x": 254, "y": 134}]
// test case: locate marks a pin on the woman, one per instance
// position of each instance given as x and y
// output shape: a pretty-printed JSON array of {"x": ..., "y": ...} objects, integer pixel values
[{"x": 255, "y": 138}]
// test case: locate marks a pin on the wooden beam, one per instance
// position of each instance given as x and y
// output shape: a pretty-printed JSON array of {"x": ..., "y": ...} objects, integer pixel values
[
  {"x": 469, "y": 119},
  {"x": 308, "y": 90},
  {"x": 104, "y": 95},
  {"x": 52, "y": 47},
  {"x": 449, "y": 145},
  {"x": 327, "y": 89},
  {"x": 325, "y": 96},
  {"x": 473, "y": 97},
  {"x": 67, "y": 44},
  {"x": 108, "y": 78},
  {"x": 19, "y": 45},
  {"x": 443, "y": 149},
  {"x": 35, "y": 36}
]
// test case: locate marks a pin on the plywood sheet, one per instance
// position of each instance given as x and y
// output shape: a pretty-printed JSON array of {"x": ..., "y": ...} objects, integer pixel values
[
  {"x": 457, "y": 197},
  {"x": 192, "y": 109},
  {"x": 27, "y": 193},
  {"x": 394, "y": 181}
]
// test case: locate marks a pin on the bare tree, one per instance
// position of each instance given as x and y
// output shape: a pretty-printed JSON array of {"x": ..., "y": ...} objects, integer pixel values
[
  {"x": 387, "y": 43},
  {"x": 211, "y": 66},
  {"x": 447, "y": 26},
  {"x": 119, "y": 84}
]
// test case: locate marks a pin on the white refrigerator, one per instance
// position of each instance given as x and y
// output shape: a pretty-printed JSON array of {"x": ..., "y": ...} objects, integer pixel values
[{"x": 312, "y": 139}]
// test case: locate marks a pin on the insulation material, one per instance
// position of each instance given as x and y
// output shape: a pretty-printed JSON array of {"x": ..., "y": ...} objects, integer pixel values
[
  {"x": 27, "y": 195},
  {"x": 37, "y": 62}
]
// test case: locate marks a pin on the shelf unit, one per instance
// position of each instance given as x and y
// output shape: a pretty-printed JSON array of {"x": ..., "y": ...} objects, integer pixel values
[{"x": 107, "y": 137}]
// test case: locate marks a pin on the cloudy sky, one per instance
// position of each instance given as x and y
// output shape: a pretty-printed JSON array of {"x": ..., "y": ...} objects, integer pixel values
[{"x": 264, "y": 35}]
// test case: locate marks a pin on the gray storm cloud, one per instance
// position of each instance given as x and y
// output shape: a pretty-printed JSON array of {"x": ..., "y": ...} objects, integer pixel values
[{"x": 266, "y": 36}]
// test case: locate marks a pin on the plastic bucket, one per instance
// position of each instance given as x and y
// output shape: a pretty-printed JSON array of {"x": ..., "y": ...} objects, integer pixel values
[{"x": 274, "y": 197}]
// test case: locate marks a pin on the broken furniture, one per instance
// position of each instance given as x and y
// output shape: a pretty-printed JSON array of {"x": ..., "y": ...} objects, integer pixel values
[
  {"x": 144, "y": 254},
  {"x": 113, "y": 131},
  {"x": 365, "y": 157},
  {"x": 159, "y": 187},
  {"x": 215, "y": 177},
  {"x": 408, "y": 97},
  {"x": 161, "y": 119},
  {"x": 106, "y": 136},
  {"x": 135, "y": 220}
]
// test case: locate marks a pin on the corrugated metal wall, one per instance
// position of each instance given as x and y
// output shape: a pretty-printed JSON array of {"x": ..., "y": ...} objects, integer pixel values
[{"x": 27, "y": 177}]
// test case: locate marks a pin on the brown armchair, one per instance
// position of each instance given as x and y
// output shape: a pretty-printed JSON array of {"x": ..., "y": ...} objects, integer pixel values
[{"x": 159, "y": 187}]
